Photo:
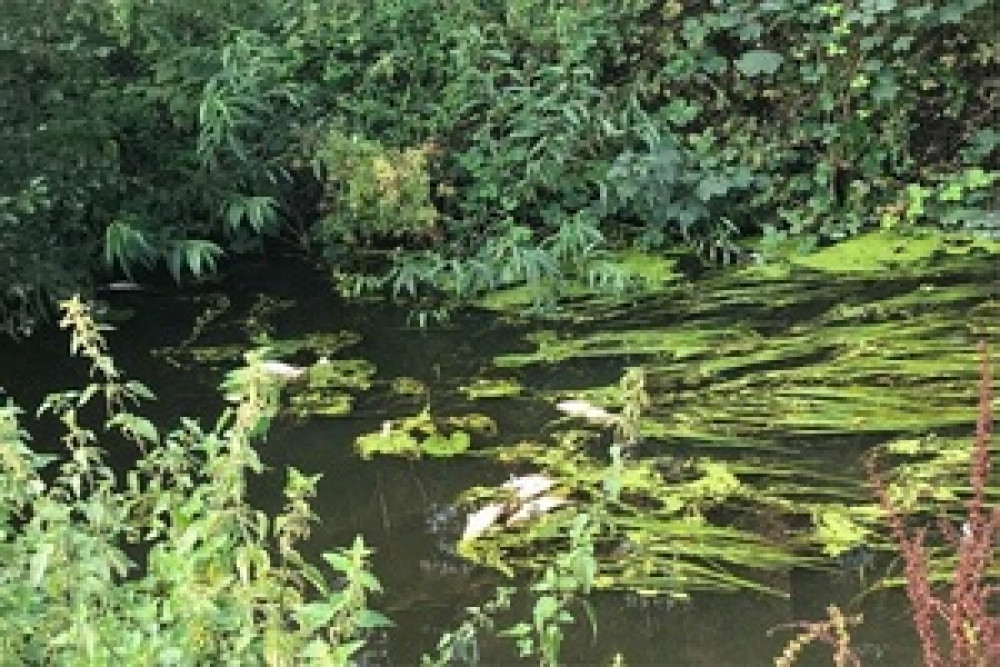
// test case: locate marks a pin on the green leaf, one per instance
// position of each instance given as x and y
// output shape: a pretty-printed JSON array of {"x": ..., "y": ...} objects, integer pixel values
[
  {"x": 39, "y": 563},
  {"x": 756, "y": 62},
  {"x": 137, "y": 427},
  {"x": 315, "y": 614},
  {"x": 126, "y": 246},
  {"x": 441, "y": 446},
  {"x": 338, "y": 562},
  {"x": 196, "y": 256},
  {"x": 370, "y": 619},
  {"x": 545, "y": 608},
  {"x": 517, "y": 630},
  {"x": 713, "y": 185},
  {"x": 139, "y": 390}
]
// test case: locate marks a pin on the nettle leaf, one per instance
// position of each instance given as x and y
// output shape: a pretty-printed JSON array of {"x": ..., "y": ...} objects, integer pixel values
[
  {"x": 136, "y": 427},
  {"x": 758, "y": 61},
  {"x": 371, "y": 619}
]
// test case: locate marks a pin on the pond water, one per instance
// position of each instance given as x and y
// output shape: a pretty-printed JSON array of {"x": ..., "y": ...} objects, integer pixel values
[{"x": 406, "y": 509}]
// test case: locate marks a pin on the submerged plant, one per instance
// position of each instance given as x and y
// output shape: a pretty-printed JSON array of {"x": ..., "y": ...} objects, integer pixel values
[
  {"x": 971, "y": 633},
  {"x": 461, "y": 645}
]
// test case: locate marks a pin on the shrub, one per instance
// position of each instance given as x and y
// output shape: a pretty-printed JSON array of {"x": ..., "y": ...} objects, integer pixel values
[{"x": 165, "y": 562}]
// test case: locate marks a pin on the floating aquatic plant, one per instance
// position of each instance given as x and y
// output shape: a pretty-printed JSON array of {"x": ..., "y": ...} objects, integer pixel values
[
  {"x": 413, "y": 437},
  {"x": 474, "y": 421},
  {"x": 327, "y": 385},
  {"x": 657, "y": 533},
  {"x": 407, "y": 386},
  {"x": 879, "y": 251},
  {"x": 491, "y": 388}
]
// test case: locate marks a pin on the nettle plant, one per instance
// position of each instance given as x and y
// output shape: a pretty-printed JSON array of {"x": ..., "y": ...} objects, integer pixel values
[{"x": 165, "y": 562}]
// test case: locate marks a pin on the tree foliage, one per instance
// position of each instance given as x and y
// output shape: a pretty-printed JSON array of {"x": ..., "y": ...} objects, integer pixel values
[{"x": 458, "y": 145}]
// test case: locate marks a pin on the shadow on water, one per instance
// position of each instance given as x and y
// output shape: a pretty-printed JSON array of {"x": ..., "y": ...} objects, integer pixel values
[{"x": 405, "y": 509}]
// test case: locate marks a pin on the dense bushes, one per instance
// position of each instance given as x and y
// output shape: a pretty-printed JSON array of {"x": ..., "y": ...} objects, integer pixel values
[{"x": 496, "y": 133}]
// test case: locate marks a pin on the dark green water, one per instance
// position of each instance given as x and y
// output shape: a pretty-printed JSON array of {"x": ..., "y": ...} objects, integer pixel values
[{"x": 404, "y": 509}]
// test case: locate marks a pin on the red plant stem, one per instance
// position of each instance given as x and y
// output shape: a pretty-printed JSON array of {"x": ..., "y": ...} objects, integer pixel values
[
  {"x": 918, "y": 588},
  {"x": 974, "y": 635}
]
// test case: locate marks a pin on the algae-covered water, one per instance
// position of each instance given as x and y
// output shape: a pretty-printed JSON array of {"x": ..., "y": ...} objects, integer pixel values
[{"x": 749, "y": 395}]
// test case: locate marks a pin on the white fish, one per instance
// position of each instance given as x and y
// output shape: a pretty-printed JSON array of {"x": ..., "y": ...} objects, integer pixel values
[
  {"x": 479, "y": 521},
  {"x": 527, "y": 504},
  {"x": 281, "y": 369},
  {"x": 535, "y": 507},
  {"x": 529, "y": 486},
  {"x": 588, "y": 411}
]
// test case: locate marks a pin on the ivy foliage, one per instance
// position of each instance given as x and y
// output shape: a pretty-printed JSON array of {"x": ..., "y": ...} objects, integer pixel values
[{"x": 464, "y": 146}]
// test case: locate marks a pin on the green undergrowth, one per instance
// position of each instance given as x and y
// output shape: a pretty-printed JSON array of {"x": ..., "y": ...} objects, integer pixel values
[{"x": 166, "y": 561}]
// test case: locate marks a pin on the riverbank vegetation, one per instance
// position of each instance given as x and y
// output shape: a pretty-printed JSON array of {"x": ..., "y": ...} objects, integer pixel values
[
  {"x": 219, "y": 580},
  {"x": 583, "y": 170},
  {"x": 441, "y": 150}
]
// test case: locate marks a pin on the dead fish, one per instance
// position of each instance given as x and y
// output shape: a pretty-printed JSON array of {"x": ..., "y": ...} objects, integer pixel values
[
  {"x": 282, "y": 370},
  {"x": 587, "y": 411},
  {"x": 480, "y": 520},
  {"x": 529, "y": 486},
  {"x": 528, "y": 503},
  {"x": 534, "y": 508},
  {"x": 122, "y": 286}
]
